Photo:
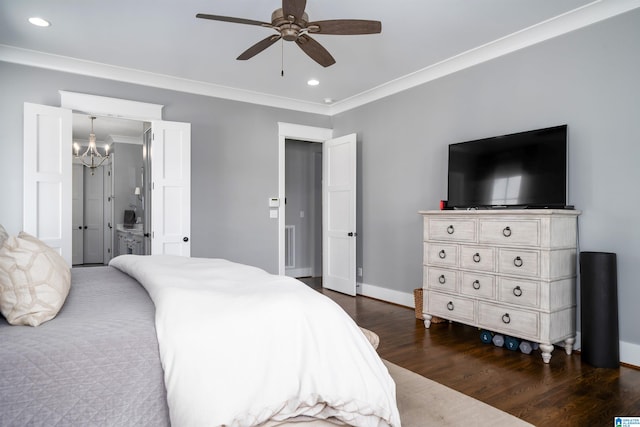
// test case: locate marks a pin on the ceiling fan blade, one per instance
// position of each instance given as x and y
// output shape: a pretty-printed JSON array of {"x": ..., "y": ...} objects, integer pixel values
[
  {"x": 345, "y": 27},
  {"x": 293, "y": 7},
  {"x": 315, "y": 50},
  {"x": 231, "y": 19},
  {"x": 259, "y": 47}
]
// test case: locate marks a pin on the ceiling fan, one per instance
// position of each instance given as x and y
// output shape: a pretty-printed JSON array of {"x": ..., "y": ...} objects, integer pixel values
[{"x": 292, "y": 24}]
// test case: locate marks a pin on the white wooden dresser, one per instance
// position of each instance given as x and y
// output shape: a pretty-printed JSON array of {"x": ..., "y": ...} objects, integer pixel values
[{"x": 508, "y": 271}]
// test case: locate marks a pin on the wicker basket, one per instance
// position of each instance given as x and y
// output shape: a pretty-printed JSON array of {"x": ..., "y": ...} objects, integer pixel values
[{"x": 418, "y": 298}]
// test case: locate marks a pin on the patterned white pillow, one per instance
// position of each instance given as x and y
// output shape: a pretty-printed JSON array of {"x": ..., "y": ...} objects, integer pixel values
[
  {"x": 373, "y": 338},
  {"x": 34, "y": 281}
]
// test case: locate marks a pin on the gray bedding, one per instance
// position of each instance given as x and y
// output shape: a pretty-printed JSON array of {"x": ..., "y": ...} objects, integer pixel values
[{"x": 95, "y": 364}]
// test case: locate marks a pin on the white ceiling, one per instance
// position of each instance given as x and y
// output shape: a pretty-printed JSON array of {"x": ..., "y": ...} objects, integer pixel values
[{"x": 161, "y": 43}]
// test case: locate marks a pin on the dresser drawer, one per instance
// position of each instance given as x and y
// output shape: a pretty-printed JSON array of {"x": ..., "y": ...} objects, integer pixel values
[
  {"x": 451, "y": 307},
  {"x": 509, "y": 232},
  {"x": 478, "y": 285},
  {"x": 519, "y": 262},
  {"x": 508, "y": 320},
  {"x": 450, "y": 229},
  {"x": 478, "y": 258},
  {"x": 441, "y": 278},
  {"x": 441, "y": 254},
  {"x": 521, "y": 292}
]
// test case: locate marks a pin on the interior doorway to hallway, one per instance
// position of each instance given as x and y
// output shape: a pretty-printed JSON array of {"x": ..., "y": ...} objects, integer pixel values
[{"x": 303, "y": 208}]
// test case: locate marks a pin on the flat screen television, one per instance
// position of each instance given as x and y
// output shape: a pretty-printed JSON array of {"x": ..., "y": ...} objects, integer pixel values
[{"x": 520, "y": 170}]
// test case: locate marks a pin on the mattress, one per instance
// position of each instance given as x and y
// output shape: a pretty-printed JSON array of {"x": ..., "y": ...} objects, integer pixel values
[{"x": 95, "y": 364}]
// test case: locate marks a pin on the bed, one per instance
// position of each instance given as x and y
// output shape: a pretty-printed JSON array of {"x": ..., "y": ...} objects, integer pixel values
[{"x": 140, "y": 342}]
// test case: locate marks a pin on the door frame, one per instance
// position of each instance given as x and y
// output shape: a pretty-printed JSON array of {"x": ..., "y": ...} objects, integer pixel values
[
  {"x": 110, "y": 107},
  {"x": 300, "y": 132}
]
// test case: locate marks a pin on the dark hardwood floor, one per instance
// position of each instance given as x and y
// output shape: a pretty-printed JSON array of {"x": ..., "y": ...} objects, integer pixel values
[{"x": 565, "y": 392}]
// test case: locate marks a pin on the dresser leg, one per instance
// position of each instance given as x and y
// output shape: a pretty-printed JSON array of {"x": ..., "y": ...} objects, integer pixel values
[
  {"x": 546, "y": 352},
  {"x": 427, "y": 320},
  {"x": 568, "y": 345}
]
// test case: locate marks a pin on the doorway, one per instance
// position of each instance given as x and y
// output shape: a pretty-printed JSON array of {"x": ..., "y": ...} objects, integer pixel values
[
  {"x": 339, "y": 166},
  {"x": 102, "y": 195},
  {"x": 303, "y": 208},
  {"x": 47, "y": 169}
]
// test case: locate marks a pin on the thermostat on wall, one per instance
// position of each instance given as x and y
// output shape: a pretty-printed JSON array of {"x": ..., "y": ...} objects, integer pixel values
[{"x": 274, "y": 202}]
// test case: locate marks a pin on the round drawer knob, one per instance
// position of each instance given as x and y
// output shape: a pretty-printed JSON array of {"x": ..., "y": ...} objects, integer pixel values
[
  {"x": 476, "y": 284},
  {"x": 517, "y": 291},
  {"x": 506, "y": 232},
  {"x": 450, "y": 306},
  {"x": 450, "y": 229},
  {"x": 442, "y": 279},
  {"x": 476, "y": 257},
  {"x": 506, "y": 319},
  {"x": 518, "y": 262},
  {"x": 442, "y": 254}
]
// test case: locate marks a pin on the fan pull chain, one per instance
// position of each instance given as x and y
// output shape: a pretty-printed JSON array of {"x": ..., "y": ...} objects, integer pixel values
[{"x": 282, "y": 57}]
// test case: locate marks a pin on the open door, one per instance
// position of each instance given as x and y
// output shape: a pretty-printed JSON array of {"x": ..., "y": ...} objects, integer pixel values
[
  {"x": 171, "y": 188},
  {"x": 47, "y": 200},
  {"x": 339, "y": 214}
]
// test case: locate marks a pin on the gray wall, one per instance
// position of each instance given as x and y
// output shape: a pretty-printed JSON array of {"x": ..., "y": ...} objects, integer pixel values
[
  {"x": 587, "y": 79},
  {"x": 234, "y": 158}
]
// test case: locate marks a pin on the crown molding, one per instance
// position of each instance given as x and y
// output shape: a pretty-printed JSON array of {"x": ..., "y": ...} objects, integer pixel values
[
  {"x": 588, "y": 14},
  {"x": 123, "y": 139},
  {"x": 578, "y": 18},
  {"x": 144, "y": 78}
]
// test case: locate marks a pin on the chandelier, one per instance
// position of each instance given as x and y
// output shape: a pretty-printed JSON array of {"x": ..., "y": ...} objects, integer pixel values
[{"x": 91, "y": 158}]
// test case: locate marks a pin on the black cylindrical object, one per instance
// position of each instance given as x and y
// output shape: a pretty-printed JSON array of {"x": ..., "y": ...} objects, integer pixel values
[{"x": 599, "y": 309}]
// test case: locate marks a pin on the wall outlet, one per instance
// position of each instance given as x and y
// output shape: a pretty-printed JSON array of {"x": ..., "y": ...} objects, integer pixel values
[{"x": 359, "y": 271}]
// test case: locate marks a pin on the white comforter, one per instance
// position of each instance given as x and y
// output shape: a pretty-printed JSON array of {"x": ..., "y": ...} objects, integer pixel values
[{"x": 240, "y": 346}]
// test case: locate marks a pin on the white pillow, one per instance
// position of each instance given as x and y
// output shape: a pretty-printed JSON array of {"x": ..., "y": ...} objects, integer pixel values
[
  {"x": 373, "y": 338},
  {"x": 34, "y": 281}
]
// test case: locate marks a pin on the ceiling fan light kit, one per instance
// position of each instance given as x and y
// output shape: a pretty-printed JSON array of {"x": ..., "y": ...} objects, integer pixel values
[{"x": 291, "y": 23}]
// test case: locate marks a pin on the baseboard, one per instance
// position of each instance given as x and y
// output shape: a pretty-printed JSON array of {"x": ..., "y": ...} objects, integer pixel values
[
  {"x": 629, "y": 352},
  {"x": 298, "y": 272},
  {"x": 388, "y": 295}
]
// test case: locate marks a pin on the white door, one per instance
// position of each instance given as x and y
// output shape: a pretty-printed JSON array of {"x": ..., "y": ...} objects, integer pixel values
[
  {"x": 47, "y": 206},
  {"x": 93, "y": 216},
  {"x": 78, "y": 215},
  {"x": 339, "y": 214},
  {"x": 171, "y": 188}
]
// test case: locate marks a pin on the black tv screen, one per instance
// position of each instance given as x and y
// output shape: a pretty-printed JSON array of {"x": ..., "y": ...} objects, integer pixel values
[{"x": 521, "y": 170}]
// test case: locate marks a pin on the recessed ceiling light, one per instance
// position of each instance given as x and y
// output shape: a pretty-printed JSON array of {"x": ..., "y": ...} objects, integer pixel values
[
  {"x": 39, "y": 22},
  {"x": 328, "y": 100},
  {"x": 313, "y": 82}
]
